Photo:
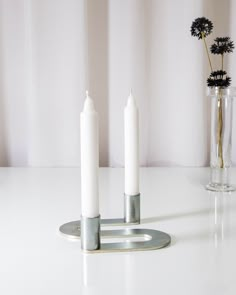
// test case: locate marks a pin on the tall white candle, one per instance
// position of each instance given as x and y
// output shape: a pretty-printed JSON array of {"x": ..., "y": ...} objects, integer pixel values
[
  {"x": 89, "y": 159},
  {"x": 131, "y": 122}
]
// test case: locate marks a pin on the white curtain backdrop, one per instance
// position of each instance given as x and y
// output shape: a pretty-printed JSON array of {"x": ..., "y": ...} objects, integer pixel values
[{"x": 51, "y": 51}]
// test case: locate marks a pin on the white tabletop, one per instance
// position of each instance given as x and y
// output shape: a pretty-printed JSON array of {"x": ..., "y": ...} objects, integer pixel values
[{"x": 36, "y": 259}]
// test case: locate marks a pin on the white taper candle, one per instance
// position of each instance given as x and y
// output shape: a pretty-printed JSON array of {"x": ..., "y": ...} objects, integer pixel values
[
  {"x": 89, "y": 159},
  {"x": 131, "y": 122}
]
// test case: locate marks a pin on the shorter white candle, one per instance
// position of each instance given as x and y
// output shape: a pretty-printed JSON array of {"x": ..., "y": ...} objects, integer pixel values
[
  {"x": 89, "y": 159},
  {"x": 131, "y": 122}
]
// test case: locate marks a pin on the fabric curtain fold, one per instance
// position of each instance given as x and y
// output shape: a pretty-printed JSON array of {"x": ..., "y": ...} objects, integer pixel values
[{"x": 52, "y": 51}]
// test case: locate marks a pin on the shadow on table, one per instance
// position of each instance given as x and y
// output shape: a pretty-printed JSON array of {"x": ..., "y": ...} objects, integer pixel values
[{"x": 175, "y": 216}]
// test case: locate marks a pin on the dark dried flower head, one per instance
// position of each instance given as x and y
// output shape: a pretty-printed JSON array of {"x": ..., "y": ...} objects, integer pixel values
[
  {"x": 218, "y": 74},
  {"x": 219, "y": 79},
  {"x": 222, "y": 45},
  {"x": 201, "y": 27}
]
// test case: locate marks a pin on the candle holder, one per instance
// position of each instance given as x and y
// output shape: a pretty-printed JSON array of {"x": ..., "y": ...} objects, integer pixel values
[
  {"x": 132, "y": 209},
  {"x": 91, "y": 235},
  {"x": 131, "y": 217}
]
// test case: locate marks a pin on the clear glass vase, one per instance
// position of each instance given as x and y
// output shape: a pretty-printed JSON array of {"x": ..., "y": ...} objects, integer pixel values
[{"x": 221, "y": 134}]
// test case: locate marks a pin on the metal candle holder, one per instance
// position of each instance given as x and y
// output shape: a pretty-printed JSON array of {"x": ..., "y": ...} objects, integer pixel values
[
  {"x": 131, "y": 217},
  {"x": 89, "y": 231},
  {"x": 90, "y": 238}
]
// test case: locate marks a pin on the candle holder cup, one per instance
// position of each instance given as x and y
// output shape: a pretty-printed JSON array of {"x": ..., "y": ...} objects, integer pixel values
[
  {"x": 90, "y": 233},
  {"x": 132, "y": 209}
]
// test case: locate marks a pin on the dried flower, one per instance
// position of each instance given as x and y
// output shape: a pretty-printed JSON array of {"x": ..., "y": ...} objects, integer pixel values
[
  {"x": 201, "y": 27},
  {"x": 217, "y": 79},
  {"x": 222, "y": 45}
]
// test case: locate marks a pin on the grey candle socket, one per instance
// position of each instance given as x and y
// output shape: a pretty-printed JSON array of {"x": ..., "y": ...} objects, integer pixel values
[
  {"x": 90, "y": 233},
  {"x": 132, "y": 208}
]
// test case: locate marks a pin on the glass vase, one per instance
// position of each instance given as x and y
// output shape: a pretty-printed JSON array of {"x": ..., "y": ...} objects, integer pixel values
[{"x": 221, "y": 134}]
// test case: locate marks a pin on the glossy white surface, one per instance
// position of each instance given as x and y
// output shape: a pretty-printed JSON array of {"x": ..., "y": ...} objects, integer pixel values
[{"x": 35, "y": 259}]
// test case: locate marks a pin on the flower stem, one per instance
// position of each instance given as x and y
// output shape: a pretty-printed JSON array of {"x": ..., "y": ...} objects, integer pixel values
[
  {"x": 222, "y": 61},
  {"x": 220, "y": 130},
  {"x": 204, "y": 40}
]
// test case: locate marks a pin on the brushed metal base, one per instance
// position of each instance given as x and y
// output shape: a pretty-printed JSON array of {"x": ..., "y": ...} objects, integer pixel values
[
  {"x": 155, "y": 240},
  {"x": 91, "y": 237},
  {"x": 72, "y": 229}
]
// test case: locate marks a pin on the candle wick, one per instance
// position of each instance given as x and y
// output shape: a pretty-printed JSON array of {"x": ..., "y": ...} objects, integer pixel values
[
  {"x": 131, "y": 101},
  {"x": 88, "y": 105}
]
